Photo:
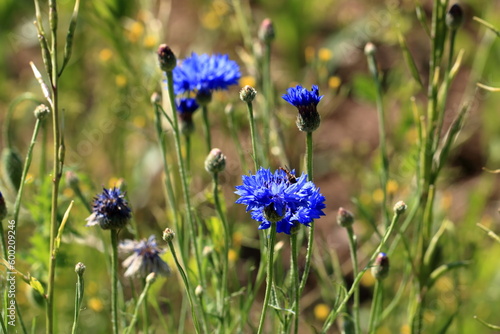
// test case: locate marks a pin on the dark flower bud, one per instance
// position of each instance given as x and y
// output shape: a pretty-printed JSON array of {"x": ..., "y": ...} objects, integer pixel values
[
  {"x": 345, "y": 218},
  {"x": 247, "y": 94},
  {"x": 166, "y": 58},
  {"x": 454, "y": 17},
  {"x": 380, "y": 268},
  {"x": 3, "y": 208},
  {"x": 41, "y": 111},
  {"x": 203, "y": 97},
  {"x": 80, "y": 268},
  {"x": 215, "y": 161},
  {"x": 400, "y": 208},
  {"x": 168, "y": 235},
  {"x": 12, "y": 167},
  {"x": 266, "y": 31}
]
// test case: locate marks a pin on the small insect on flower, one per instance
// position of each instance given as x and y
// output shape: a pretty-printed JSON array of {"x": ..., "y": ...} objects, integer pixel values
[
  {"x": 145, "y": 258},
  {"x": 280, "y": 198}
]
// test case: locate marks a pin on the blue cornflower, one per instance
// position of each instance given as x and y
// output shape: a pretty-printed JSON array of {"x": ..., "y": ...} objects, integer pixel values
[
  {"x": 145, "y": 258},
  {"x": 306, "y": 101},
  {"x": 110, "y": 210},
  {"x": 205, "y": 73},
  {"x": 280, "y": 198}
]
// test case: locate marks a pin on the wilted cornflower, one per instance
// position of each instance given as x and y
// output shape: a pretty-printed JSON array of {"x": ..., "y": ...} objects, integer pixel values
[
  {"x": 185, "y": 109},
  {"x": 280, "y": 198},
  {"x": 145, "y": 258},
  {"x": 205, "y": 73},
  {"x": 305, "y": 101},
  {"x": 110, "y": 210}
]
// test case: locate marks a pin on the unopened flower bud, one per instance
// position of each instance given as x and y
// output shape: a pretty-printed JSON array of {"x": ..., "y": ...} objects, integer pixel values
[
  {"x": 380, "y": 268},
  {"x": 266, "y": 31},
  {"x": 247, "y": 94},
  {"x": 345, "y": 218},
  {"x": 3, "y": 208},
  {"x": 151, "y": 277},
  {"x": 215, "y": 161},
  {"x": 370, "y": 49},
  {"x": 198, "y": 291},
  {"x": 80, "y": 268},
  {"x": 72, "y": 180},
  {"x": 166, "y": 58},
  {"x": 454, "y": 17},
  {"x": 41, "y": 111},
  {"x": 155, "y": 98},
  {"x": 168, "y": 235},
  {"x": 271, "y": 215},
  {"x": 400, "y": 208}
]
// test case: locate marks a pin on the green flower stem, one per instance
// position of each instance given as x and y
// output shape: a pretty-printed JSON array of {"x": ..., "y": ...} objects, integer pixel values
[
  {"x": 310, "y": 239},
  {"x": 243, "y": 24},
  {"x": 376, "y": 306},
  {"x": 27, "y": 163},
  {"x": 2, "y": 324},
  {"x": 114, "y": 280},
  {"x": 187, "y": 285},
  {"x": 145, "y": 312},
  {"x": 354, "y": 259},
  {"x": 206, "y": 125},
  {"x": 78, "y": 301},
  {"x": 187, "y": 139},
  {"x": 225, "y": 261},
  {"x": 58, "y": 161},
  {"x": 333, "y": 314},
  {"x": 384, "y": 172},
  {"x": 253, "y": 136},
  {"x": 269, "y": 277},
  {"x": 142, "y": 300},
  {"x": 294, "y": 269}
]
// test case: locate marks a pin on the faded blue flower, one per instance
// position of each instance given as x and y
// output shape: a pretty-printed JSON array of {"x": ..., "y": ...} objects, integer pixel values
[
  {"x": 145, "y": 258},
  {"x": 205, "y": 73},
  {"x": 305, "y": 101},
  {"x": 110, "y": 210},
  {"x": 280, "y": 198}
]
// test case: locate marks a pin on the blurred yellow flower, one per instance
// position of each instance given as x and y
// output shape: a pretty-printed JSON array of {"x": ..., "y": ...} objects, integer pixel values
[
  {"x": 68, "y": 192},
  {"x": 139, "y": 121},
  {"x": 334, "y": 82},
  {"x": 29, "y": 178},
  {"x": 95, "y": 304},
  {"x": 113, "y": 182},
  {"x": 392, "y": 187},
  {"x": 321, "y": 311},
  {"x": 232, "y": 255},
  {"x": 136, "y": 31},
  {"x": 383, "y": 330},
  {"x": 150, "y": 42},
  {"x": 405, "y": 329},
  {"x": 446, "y": 201},
  {"x": 105, "y": 55},
  {"x": 211, "y": 20},
  {"x": 325, "y": 54},
  {"x": 429, "y": 316},
  {"x": 247, "y": 80},
  {"x": 378, "y": 196},
  {"x": 121, "y": 80}
]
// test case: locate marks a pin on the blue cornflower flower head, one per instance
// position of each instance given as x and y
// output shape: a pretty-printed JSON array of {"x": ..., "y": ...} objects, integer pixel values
[
  {"x": 145, "y": 258},
  {"x": 110, "y": 210},
  {"x": 205, "y": 73},
  {"x": 305, "y": 101},
  {"x": 280, "y": 198}
]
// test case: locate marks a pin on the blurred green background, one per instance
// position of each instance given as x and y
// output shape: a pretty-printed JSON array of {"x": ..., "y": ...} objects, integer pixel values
[{"x": 109, "y": 134}]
